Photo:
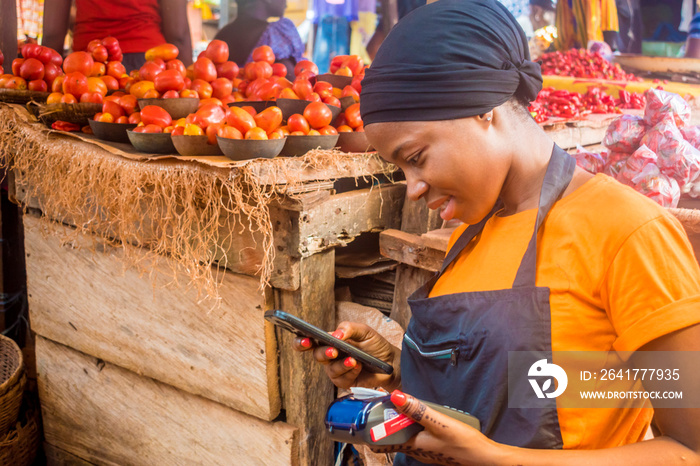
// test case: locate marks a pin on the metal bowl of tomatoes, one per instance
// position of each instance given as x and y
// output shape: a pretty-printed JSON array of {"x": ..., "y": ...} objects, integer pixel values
[
  {"x": 300, "y": 145},
  {"x": 191, "y": 146},
  {"x": 177, "y": 108},
  {"x": 247, "y": 149},
  {"x": 115, "y": 132},
  {"x": 152, "y": 143}
]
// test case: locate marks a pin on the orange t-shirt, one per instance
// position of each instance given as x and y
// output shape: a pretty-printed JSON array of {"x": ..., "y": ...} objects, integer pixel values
[{"x": 621, "y": 273}]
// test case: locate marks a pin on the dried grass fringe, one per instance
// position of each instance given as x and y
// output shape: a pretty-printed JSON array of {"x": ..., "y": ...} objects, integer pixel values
[{"x": 192, "y": 208}]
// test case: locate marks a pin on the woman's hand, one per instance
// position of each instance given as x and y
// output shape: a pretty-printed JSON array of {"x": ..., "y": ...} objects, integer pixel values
[
  {"x": 444, "y": 440},
  {"x": 348, "y": 372}
]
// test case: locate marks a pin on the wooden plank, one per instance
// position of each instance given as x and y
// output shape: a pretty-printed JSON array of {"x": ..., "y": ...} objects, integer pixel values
[
  {"x": 408, "y": 280},
  {"x": 438, "y": 239},
  {"x": 417, "y": 218},
  {"x": 347, "y": 215},
  {"x": 109, "y": 415},
  {"x": 85, "y": 299},
  {"x": 409, "y": 249},
  {"x": 58, "y": 457},
  {"x": 306, "y": 390}
]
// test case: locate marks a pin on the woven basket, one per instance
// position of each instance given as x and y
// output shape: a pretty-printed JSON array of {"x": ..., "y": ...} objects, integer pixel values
[
  {"x": 20, "y": 446},
  {"x": 12, "y": 381},
  {"x": 17, "y": 96},
  {"x": 72, "y": 113}
]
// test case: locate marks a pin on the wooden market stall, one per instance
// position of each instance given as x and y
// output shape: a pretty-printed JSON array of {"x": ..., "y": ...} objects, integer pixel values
[{"x": 147, "y": 281}]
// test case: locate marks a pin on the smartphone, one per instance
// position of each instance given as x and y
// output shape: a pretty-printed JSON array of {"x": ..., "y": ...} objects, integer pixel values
[{"x": 304, "y": 329}]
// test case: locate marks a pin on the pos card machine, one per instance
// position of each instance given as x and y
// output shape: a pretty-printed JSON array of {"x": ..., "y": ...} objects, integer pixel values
[{"x": 369, "y": 417}]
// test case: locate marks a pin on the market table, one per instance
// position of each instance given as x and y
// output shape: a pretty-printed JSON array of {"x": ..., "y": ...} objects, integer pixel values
[{"x": 147, "y": 280}]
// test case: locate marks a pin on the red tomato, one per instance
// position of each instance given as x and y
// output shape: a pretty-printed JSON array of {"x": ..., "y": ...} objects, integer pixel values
[
  {"x": 149, "y": 129},
  {"x": 75, "y": 83},
  {"x": 212, "y": 131},
  {"x": 228, "y": 70},
  {"x": 45, "y": 55},
  {"x": 189, "y": 93},
  {"x": 152, "y": 115},
  {"x": 122, "y": 120},
  {"x": 344, "y": 129},
  {"x": 57, "y": 84},
  {"x": 176, "y": 65},
  {"x": 100, "y": 54},
  {"x": 51, "y": 72},
  {"x": 78, "y": 61},
  {"x": 229, "y": 132},
  {"x": 204, "y": 69},
  {"x": 318, "y": 115},
  {"x": 203, "y": 88},
  {"x": 92, "y": 97},
  {"x": 98, "y": 69},
  {"x": 115, "y": 69},
  {"x": 240, "y": 119},
  {"x": 135, "y": 118},
  {"x": 178, "y": 131},
  {"x": 160, "y": 62},
  {"x": 164, "y": 52},
  {"x": 328, "y": 130},
  {"x": 31, "y": 50},
  {"x": 32, "y": 69},
  {"x": 129, "y": 103},
  {"x": 349, "y": 91},
  {"x": 297, "y": 122},
  {"x": 261, "y": 70},
  {"x": 16, "y": 65},
  {"x": 352, "y": 116},
  {"x": 269, "y": 91},
  {"x": 278, "y": 69},
  {"x": 217, "y": 51},
  {"x": 103, "y": 117},
  {"x": 305, "y": 65},
  {"x": 209, "y": 114},
  {"x": 257, "y": 134},
  {"x": 332, "y": 101},
  {"x": 149, "y": 71},
  {"x": 221, "y": 87},
  {"x": 56, "y": 58},
  {"x": 38, "y": 85},
  {"x": 269, "y": 119},
  {"x": 111, "y": 82},
  {"x": 112, "y": 45},
  {"x": 170, "y": 95},
  {"x": 313, "y": 97},
  {"x": 169, "y": 80},
  {"x": 68, "y": 99},
  {"x": 264, "y": 53},
  {"x": 324, "y": 89},
  {"x": 302, "y": 88},
  {"x": 93, "y": 44},
  {"x": 113, "y": 108}
]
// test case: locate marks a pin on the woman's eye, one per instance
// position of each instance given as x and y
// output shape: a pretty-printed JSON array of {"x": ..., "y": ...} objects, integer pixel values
[{"x": 413, "y": 159}]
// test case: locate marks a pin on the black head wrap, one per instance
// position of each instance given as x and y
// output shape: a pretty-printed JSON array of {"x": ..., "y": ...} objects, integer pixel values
[{"x": 447, "y": 60}]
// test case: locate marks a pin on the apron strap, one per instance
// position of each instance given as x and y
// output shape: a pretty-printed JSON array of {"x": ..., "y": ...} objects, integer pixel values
[{"x": 557, "y": 178}]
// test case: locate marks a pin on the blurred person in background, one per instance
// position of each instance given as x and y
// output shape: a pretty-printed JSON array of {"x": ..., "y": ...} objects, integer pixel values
[
  {"x": 582, "y": 21},
  {"x": 251, "y": 29},
  {"x": 138, "y": 25}
]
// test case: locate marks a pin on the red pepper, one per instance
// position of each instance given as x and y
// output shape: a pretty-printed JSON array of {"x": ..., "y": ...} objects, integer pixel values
[{"x": 61, "y": 125}]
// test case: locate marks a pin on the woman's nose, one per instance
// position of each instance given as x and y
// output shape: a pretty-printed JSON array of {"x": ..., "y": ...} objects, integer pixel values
[{"x": 415, "y": 189}]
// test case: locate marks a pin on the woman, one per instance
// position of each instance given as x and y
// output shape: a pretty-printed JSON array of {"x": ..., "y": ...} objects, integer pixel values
[
  {"x": 554, "y": 259},
  {"x": 137, "y": 24},
  {"x": 251, "y": 29}
]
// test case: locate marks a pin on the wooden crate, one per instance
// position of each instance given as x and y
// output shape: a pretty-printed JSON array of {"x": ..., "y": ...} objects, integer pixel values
[
  {"x": 107, "y": 415},
  {"x": 84, "y": 299}
]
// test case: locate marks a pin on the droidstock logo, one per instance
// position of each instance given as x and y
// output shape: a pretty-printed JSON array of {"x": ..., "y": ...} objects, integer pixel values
[{"x": 542, "y": 369}]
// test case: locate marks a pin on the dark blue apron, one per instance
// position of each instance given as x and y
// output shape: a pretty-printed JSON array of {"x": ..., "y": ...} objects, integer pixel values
[{"x": 455, "y": 350}]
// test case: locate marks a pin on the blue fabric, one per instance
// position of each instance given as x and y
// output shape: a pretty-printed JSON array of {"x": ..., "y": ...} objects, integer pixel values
[
  {"x": 694, "y": 30},
  {"x": 284, "y": 39},
  {"x": 332, "y": 38}
]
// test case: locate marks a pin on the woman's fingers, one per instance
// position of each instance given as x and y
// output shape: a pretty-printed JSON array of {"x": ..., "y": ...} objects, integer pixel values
[{"x": 302, "y": 344}]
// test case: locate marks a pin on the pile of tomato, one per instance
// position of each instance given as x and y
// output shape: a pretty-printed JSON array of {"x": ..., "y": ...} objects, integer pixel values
[
  {"x": 580, "y": 63},
  {"x": 565, "y": 104}
]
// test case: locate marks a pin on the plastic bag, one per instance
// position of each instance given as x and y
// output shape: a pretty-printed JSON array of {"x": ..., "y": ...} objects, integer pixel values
[
  {"x": 677, "y": 158},
  {"x": 635, "y": 164},
  {"x": 625, "y": 133},
  {"x": 592, "y": 162},
  {"x": 661, "y": 104},
  {"x": 655, "y": 185},
  {"x": 614, "y": 163},
  {"x": 692, "y": 135}
]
